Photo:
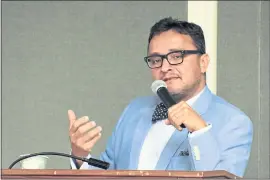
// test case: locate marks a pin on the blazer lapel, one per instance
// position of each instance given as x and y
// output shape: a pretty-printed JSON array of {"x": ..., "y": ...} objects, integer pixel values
[
  {"x": 203, "y": 102},
  {"x": 171, "y": 147},
  {"x": 178, "y": 137}
]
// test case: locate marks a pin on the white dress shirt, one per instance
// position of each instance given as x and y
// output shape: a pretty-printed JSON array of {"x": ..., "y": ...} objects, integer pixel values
[{"x": 152, "y": 148}]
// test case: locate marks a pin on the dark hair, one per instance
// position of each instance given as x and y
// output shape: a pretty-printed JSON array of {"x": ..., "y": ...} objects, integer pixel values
[{"x": 182, "y": 27}]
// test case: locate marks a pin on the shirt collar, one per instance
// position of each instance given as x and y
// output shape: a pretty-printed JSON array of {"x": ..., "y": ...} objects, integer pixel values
[{"x": 192, "y": 100}]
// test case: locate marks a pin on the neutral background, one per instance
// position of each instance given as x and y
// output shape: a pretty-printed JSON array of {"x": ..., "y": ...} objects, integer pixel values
[
  {"x": 243, "y": 71},
  {"x": 88, "y": 56}
]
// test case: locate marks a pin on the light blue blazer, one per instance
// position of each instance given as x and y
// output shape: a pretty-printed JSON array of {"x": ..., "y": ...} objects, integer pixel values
[{"x": 226, "y": 146}]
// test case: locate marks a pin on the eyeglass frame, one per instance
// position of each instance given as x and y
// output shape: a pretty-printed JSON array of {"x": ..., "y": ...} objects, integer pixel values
[{"x": 165, "y": 56}]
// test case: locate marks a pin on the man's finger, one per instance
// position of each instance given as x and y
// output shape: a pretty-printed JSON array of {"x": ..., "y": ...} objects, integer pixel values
[
  {"x": 84, "y": 128},
  {"x": 89, "y": 145},
  {"x": 167, "y": 122},
  {"x": 71, "y": 117},
  {"x": 179, "y": 128},
  {"x": 79, "y": 122},
  {"x": 173, "y": 108},
  {"x": 175, "y": 118},
  {"x": 92, "y": 134}
]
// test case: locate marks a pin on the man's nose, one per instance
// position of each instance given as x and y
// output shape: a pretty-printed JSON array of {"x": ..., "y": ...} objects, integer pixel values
[{"x": 165, "y": 65}]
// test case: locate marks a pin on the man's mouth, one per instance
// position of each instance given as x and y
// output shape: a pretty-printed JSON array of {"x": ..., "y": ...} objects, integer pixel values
[{"x": 169, "y": 78}]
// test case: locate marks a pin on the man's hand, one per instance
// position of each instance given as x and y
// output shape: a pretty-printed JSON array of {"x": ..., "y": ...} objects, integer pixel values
[
  {"x": 182, "y": 113},
  {"x": 83, "y": 135}
]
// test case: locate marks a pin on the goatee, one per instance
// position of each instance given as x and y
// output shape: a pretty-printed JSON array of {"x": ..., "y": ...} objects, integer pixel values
[{"x": 178, "y": 97}]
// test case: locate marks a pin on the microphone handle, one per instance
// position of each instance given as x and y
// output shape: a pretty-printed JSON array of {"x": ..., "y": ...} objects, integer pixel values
[{"x": 167, "y": 99}]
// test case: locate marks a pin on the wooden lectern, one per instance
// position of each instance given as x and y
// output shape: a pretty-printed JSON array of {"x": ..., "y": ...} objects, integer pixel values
[{"x": 112, "y": 174}]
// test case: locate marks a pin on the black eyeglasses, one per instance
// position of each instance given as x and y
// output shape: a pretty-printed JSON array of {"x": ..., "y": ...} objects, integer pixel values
[{"x": 174, "y": 58}]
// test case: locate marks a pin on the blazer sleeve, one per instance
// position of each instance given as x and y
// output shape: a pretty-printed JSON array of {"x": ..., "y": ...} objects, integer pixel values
[
  {"x": 229, "y": 150},
  {"x": 109, "y": 154}
]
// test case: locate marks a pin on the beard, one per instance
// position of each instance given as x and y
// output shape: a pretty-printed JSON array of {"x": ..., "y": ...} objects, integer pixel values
[
  {"x": 186, "y": 93},
  {"x": 179, "y": 96}
]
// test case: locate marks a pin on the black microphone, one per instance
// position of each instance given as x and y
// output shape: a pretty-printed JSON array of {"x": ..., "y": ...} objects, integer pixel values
[
  {"x": 159, "y": 87},
  {"x": 90, "y": 161}
]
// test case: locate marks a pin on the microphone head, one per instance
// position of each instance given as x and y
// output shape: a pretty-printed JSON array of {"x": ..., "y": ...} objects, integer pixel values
[{"x": 157, "y": 84}]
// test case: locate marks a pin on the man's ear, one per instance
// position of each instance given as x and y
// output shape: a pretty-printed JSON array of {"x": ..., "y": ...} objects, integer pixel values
[{"x": 204, "y": 62}]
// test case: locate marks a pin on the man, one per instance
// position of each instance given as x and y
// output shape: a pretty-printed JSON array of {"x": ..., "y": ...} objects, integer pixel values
[{"x": 218, "y": 136}]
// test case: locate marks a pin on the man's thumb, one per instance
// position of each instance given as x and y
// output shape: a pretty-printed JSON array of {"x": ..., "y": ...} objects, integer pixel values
[
  {"x": 167, "y": 122},
  {"x": 71, "y": 117}
]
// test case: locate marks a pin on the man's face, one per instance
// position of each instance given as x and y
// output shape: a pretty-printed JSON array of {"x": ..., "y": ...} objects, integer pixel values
[{"x": 184, "y": 78}]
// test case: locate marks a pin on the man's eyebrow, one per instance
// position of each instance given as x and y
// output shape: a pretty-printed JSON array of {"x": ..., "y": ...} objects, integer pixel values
[
  {"x": 175, "y": 49},
  {"x": 158, "y": 54},
  {"x": 154, "y": 54}
]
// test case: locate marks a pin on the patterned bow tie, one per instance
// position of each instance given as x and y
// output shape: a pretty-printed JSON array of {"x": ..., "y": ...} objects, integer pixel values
[{"x": 160, "y": 113}]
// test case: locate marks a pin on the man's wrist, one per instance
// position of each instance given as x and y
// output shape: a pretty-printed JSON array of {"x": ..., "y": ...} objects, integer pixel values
[
  {"x": 76, "y": 162},
  {"x": 199, "y": 127},
  {"x": 200, "y": 132}
]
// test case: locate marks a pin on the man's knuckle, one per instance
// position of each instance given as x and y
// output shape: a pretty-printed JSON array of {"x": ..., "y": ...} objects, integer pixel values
[
  {"x": 76, "y": 141},
  {"x": 72, "y": 138},
  {"x": 89, "y": 145},
  {"x": 80, "y": 141},
  {"x": 85, "y": 148},
  {"x": 76, "y": 125},
  {"x": 80, "y": 130},
  {"x": 70, "y": 134}
]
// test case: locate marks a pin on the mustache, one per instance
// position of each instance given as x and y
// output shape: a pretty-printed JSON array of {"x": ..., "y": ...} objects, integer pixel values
[{"x": 169, "y": 76}]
